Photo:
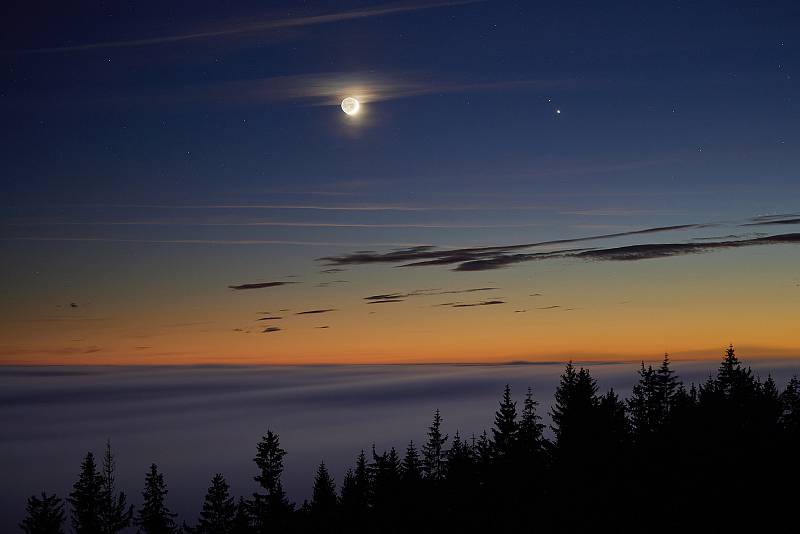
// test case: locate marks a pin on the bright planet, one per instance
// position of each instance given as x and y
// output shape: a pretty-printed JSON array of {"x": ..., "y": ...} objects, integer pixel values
[{"x": 350, "y": 105}]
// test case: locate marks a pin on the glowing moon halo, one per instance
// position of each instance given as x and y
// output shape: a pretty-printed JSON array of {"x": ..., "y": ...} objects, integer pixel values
[{"x": 350, "y": 105}]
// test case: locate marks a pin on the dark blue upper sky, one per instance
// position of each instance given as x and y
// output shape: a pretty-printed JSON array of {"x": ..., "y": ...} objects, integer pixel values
[{"x": 665, "y": 97}]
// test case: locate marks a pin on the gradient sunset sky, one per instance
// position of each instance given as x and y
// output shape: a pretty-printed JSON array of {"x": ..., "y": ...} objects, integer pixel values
[{"x": 525, "y": 181}]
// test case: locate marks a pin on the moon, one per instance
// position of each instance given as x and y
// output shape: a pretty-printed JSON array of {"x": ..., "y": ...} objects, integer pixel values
[{"x": 350, "y": 105}]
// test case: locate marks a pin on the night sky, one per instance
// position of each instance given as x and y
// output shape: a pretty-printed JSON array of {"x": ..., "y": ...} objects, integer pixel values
[{"x": 523, "y": 181}]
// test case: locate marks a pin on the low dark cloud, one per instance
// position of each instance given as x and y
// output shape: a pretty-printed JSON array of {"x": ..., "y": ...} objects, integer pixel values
[
  {"x": 491, "y": 257},
  {"x": 271, "y": 329},
  {"x": 498, "y": 258},
  {"x": 473, "y": 304},
  {"x": 311, "y": 312},
  {"x": 332, "y": 271},
  {"x": 271, "y": 318},
  {"x": 549, "y": 307},
  {"x": 773, "y": 222},
  {"x": 261, "y": 285},
  {"x": 773, "y": 217},
  {"x": 325, "y": 326},
  {"x": 504, "y": 260},
  {"x": 663, "y": 250},
  {"x": 399, "y": 297},
  {"x": 623, "y": 253},
  {"x": 385, "y": 301}
]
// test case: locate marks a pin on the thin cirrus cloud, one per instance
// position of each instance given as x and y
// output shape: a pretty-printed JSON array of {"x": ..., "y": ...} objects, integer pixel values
[
  {"x": 290, "y": 224},
  {"x": 200, "y": 242},
  {"x": 260, "y": 26},
  {"x": 328, "y": 88}
]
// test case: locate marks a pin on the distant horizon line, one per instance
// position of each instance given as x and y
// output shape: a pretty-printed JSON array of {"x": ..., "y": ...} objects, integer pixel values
[{"x": 504, "y": 363}]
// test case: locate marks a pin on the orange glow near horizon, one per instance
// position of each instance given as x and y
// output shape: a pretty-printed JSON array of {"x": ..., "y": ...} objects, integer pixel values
[{"x": 682, "y": 306}]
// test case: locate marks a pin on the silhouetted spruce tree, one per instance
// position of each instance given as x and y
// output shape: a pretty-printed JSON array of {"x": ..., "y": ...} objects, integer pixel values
[
  {"x": 574, "y": 408},
  {"x": 460, "y": 461},
  {"x": 667, "y": 385},
  {"x": 411, "y": 467},
  {"x": 612, "y": 424},
  {"x": 115, "y": 514},
  {"x": 734, "y": 382},
  {"x": 219, "y": 510},
  {"x": 271, "y": 509},
  {"x": 684, "y": 403},
  {"x": 460, "y": 491},
  {"x": 385, "y": 476},
  {"x": 790, "y": 443},
  {"x": 574, "y": 415},
  {"x": 530, "y": 479},
  {"x": 86, "y": 498},
  {"x": 790, "y": 400},
  {"x": 642, "y": 404},
  {"x": 433, "y": 452},
  {"x": 45, "y": 515},
  {"x": 356, "y": 495},
  {"x": 483, "y": 454},
  {"x": 530, "y": 430},
  {"x": 324, "y": 499},
  {"x": 412, "y": 499},
  {"x": 504, "y": 432},
  {"x": 241, "y": 519},
  {"x": 770, "y": 410},
  {"x": 153, "y": 516}
]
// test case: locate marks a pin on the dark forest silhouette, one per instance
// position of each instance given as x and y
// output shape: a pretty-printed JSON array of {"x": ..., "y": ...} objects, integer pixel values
[{"x": 716, "y": 457}]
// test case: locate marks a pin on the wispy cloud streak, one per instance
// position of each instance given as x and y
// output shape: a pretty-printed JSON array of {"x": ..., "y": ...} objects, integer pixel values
[
  {"x": 428, "y": 255},
  {"x": 262, "y": 26},
  {"x": 315, "y": 312},
  {"x": 495, "y": 257}
]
